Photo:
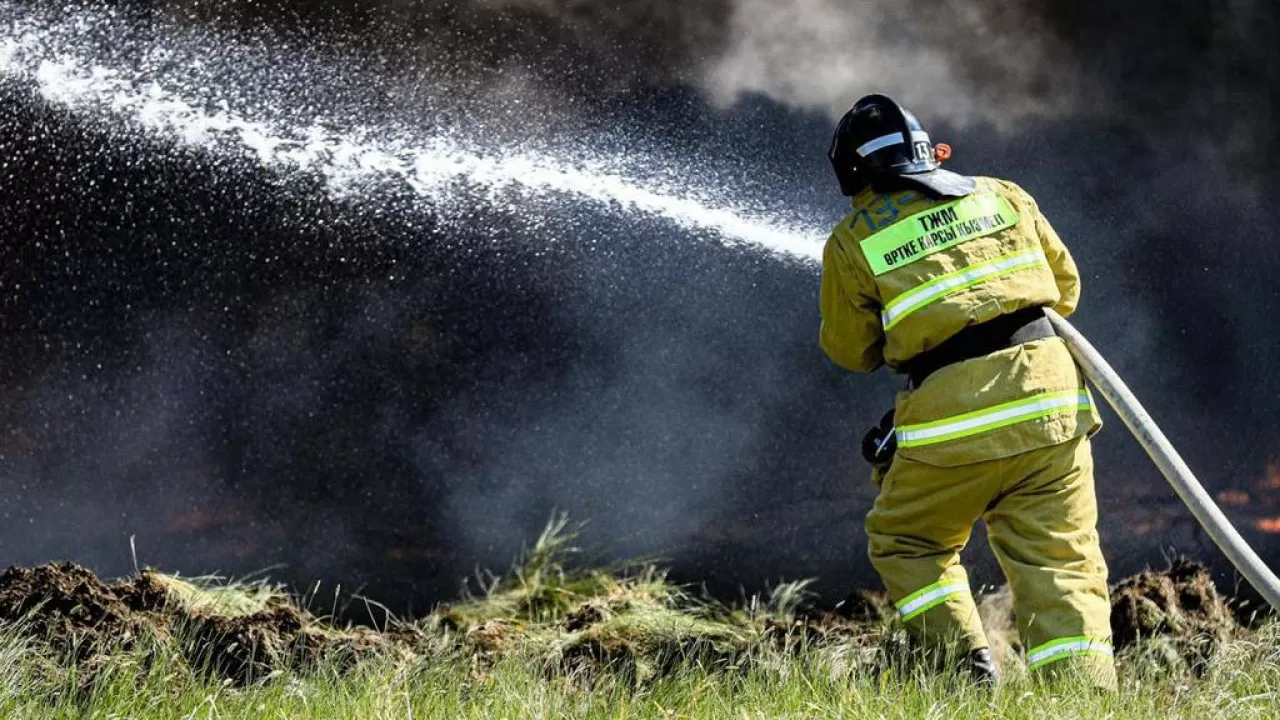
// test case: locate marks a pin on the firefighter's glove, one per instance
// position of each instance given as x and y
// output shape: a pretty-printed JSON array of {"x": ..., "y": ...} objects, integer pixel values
[{"x": 880, "y": 443}]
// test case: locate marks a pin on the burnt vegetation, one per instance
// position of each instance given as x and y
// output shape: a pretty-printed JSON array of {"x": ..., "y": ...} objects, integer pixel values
[{"x": 628, "y": 624}]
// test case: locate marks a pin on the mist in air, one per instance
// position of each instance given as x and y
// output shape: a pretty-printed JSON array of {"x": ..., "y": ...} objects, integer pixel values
[{"x": 367, "y": 290}]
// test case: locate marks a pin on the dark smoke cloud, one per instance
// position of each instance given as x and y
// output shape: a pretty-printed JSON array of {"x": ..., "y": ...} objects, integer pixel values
[
  {"x": 1157, "y": 117},
  {"x": 991, "y": 62},
  {"x": 312, "y": 411},
  {"x": 984, "y": 61},
  {"x": 1204, "y": 74}
]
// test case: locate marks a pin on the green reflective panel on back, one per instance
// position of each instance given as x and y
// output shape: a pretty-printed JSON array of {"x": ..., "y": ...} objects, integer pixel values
[{"x": 937, "y": 229}]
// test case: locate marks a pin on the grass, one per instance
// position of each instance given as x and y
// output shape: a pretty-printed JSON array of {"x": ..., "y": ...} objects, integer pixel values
[
  {"x": 209, "y": 595},
  {"x": 547, "y": 641},
  {"x": 810, "y": 685}
]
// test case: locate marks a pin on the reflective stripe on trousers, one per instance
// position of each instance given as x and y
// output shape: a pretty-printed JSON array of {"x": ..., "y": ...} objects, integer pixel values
[
  {"x": 930, "y": 597},
  {"x": 980, "y": 421},
  {"x": 940, "y": 287},
  {"x": 1064, "y": 648}
]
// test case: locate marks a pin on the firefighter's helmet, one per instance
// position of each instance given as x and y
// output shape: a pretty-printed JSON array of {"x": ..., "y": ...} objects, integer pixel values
[{"x": 882, "y": 144}]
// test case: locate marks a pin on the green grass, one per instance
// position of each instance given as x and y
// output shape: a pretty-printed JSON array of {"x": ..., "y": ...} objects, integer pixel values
[
  {"x": 547, "y": 641},
  {"x": 807, "y": 685}
]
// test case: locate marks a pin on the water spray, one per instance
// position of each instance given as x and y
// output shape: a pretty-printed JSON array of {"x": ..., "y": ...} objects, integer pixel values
[
  {"x": 1170, "y": 463},
  {"x": 451, "y": 172}
]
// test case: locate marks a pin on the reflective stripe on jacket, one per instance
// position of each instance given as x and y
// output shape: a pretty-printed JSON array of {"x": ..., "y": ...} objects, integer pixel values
[{"x": 902, "y": 273}]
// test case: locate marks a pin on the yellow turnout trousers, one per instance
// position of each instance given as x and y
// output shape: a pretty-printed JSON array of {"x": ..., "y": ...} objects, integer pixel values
[
  {"x": 1041, "y": 516},
  {"x": 1001, "y": 437}
]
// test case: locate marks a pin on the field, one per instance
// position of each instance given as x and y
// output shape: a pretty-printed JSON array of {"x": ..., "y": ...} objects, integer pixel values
[{"x": 548, "y": 640}]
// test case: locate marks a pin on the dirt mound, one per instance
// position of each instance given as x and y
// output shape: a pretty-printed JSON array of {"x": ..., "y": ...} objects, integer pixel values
[
  {"x": 640, "y": 642},
  {"x": 71, "y": 609},
  {"x": 249, "y": 647},
  {"x": 83, "y": 619},
  {"x": 638, "y": 627},
  {"x": 858, "y": 620},
  {"x": 1179, "y": 607}
]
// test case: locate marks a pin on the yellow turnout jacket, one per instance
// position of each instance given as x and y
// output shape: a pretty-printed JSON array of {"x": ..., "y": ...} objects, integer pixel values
[{"x": 903, "y": 273}]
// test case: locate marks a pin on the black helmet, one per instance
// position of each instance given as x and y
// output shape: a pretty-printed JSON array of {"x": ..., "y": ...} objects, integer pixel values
[{"x": 881, "y": 143}]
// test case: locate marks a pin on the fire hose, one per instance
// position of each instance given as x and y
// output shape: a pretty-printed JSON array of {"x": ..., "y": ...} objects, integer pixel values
[{"x": 1171, "y": 465}]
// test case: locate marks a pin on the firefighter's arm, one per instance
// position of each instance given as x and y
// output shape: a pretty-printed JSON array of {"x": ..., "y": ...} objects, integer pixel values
[
  {"x": 1065, "y": 272},
  {"x": 851, "y": 334}
]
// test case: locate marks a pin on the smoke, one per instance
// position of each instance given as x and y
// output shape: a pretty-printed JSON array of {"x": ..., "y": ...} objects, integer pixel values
[
  {"x": 988, "y": 62},
  {"x": 992, "y": 62},
  {"x": 468, "y": 340},
  {"x": 341, "y": 384},
  {"x": 1011, "y": 64},
  {"x": 1195, "y": 79}
]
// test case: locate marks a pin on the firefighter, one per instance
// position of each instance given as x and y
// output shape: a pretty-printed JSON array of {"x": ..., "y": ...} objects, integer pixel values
[{"x": 944, "y": 278}]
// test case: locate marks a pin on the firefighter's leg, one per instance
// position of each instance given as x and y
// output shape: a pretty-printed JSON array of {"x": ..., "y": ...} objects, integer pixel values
[
  {"x": 921, "y": 520},
  {"x": 1043, "y": 531}
]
